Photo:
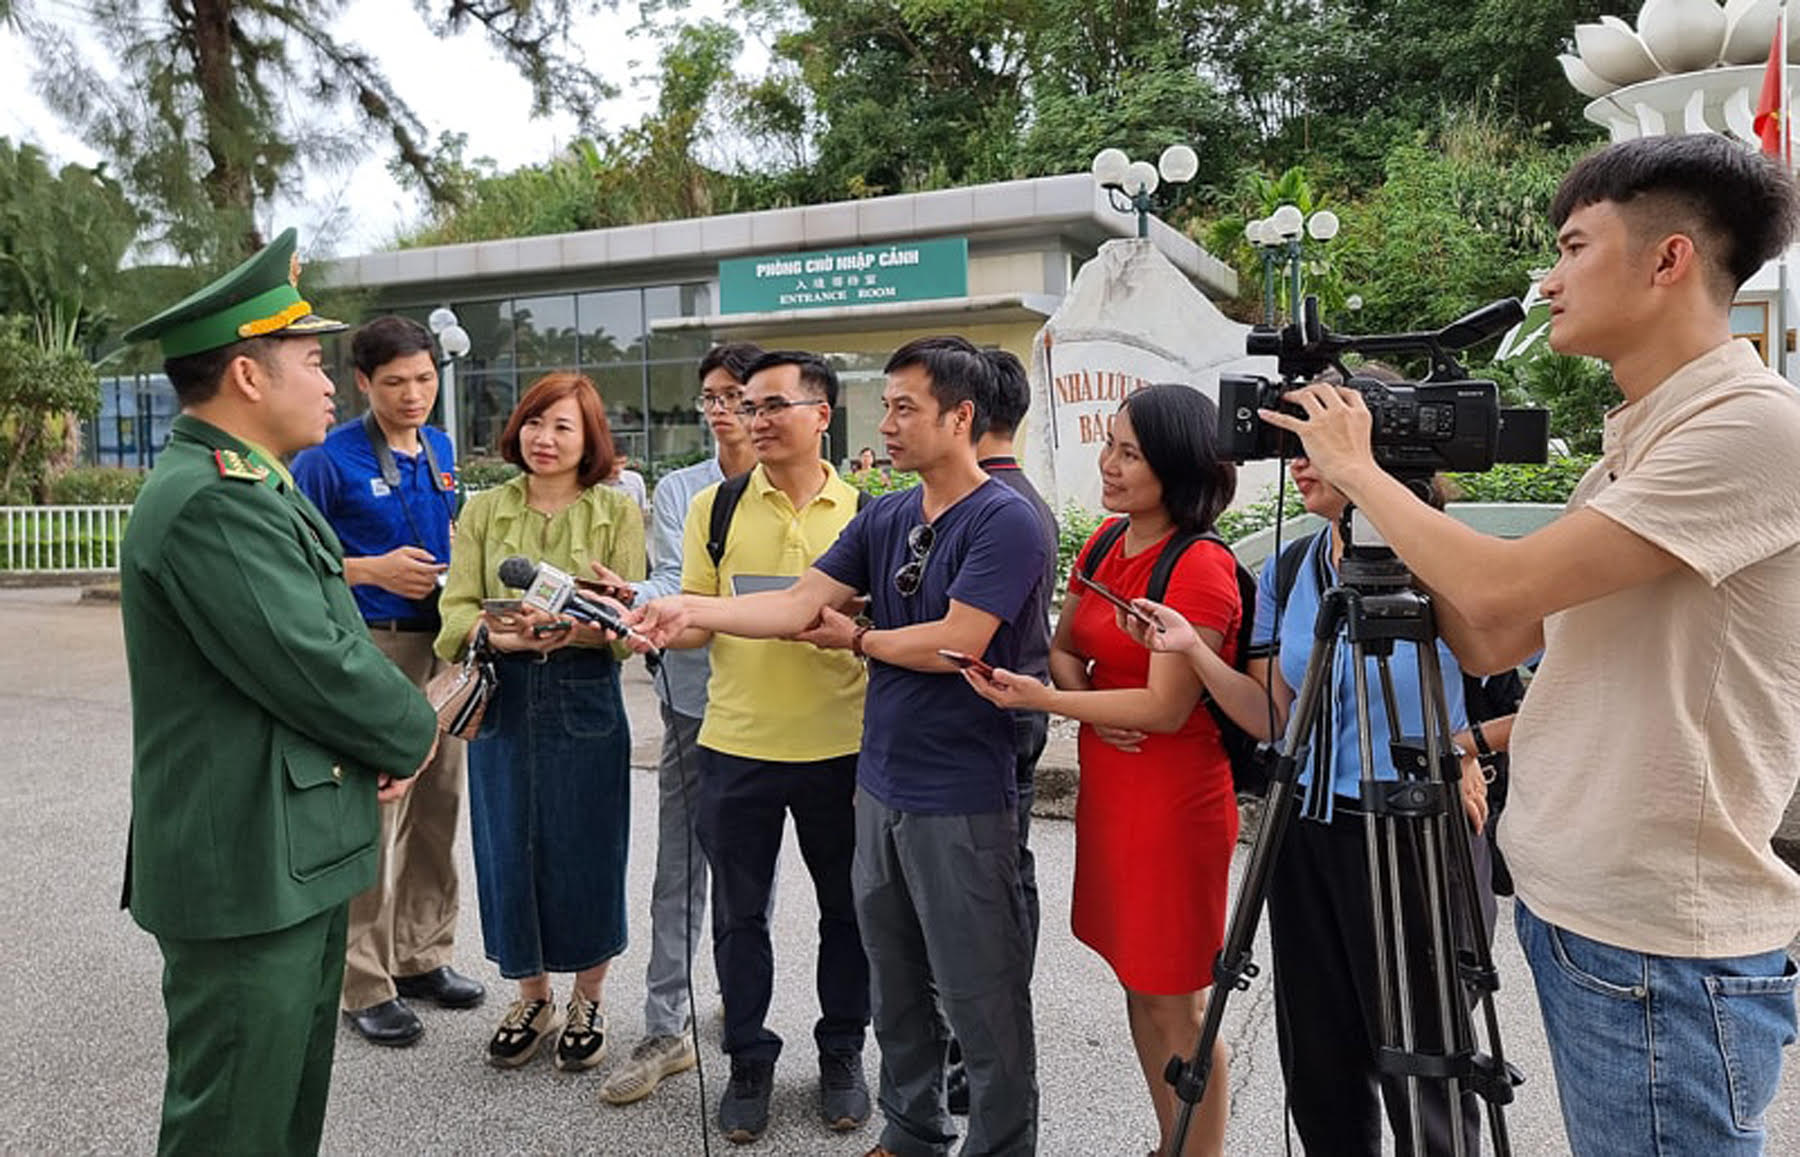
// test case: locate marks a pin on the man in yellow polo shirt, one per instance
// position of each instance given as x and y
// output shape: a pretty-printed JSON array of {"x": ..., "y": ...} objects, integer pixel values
[{"x": 782, "y": 728}]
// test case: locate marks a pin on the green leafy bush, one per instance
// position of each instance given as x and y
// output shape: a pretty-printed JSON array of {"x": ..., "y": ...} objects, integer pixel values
[
  {"x": 1553, "y": 481},
  {"x": 97, "y": 486},
  {"x": 1073, "y": 528},
  {"x": 1258, "y": 515},
  {"x": 875, "y": 483},
  {"x": 485, "y": 473}
]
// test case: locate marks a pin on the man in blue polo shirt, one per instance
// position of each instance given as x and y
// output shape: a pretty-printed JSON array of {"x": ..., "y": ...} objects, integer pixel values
[{"x": 387, "y": 484}]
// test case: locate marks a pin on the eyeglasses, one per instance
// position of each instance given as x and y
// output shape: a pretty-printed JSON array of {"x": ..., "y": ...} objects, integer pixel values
[
  {"x": 769, "y": 407},
  {"x": 728, "y": 401},
  {"x": 918, "y": 542}
]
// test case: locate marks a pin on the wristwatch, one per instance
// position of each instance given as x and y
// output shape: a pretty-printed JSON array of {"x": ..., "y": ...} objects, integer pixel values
[
  {"x": 856, "y": 640},
  {"x": 1484, "y": 755}
]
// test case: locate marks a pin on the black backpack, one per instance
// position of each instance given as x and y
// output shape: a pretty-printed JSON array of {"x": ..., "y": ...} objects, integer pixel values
[
  {"x": 1483, "y": 699},
  {"x": 1251, "y": 759},
  {"x": 725, "y": 504}
]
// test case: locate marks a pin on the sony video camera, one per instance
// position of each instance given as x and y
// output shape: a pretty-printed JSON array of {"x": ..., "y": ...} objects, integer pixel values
[{"x": 1445, "y": 422}]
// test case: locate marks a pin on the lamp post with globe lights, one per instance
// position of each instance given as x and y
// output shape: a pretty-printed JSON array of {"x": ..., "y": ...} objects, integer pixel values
[
  {"x": 1131, "y": 186},
  {"x": 453, "y": 340},
  {"x": 1278, "y": 237}
]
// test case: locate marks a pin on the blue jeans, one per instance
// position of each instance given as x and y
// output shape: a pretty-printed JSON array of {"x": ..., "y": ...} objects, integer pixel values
[{"x": 1659, "y": 1055}]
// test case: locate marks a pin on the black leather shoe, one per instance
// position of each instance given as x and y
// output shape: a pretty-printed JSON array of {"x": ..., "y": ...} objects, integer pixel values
[
  {"x": 443, "y": 986},
  {"x": 389, "y": 1023}
]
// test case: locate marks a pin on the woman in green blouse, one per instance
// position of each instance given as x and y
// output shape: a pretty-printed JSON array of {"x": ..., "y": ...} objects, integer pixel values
[{"x": 549, "y": 810}]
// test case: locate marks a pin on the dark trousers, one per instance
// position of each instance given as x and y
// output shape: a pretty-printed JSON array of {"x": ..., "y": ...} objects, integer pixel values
[
  {"x": 1327, "y": 1009},
  {"x": 944, "y": 924},
  {"x": 743, "y": 807},
  {"x": 252, "y": 1025},
  {"x": 1031, "y": 730}
]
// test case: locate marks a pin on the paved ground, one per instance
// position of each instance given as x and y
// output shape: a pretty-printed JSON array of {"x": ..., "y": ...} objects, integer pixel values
[{"x": 81, "y": 1021}]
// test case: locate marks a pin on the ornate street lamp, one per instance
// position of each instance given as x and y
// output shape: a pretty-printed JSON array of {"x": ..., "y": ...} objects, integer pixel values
[
  {"x": 1277, "y": 238},
  {"x": 453, "y": 340},
  {"x": 1131, "y": 186}
]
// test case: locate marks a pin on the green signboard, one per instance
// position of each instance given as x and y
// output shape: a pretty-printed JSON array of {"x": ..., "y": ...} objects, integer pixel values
[{"x": 830, "y": 278}]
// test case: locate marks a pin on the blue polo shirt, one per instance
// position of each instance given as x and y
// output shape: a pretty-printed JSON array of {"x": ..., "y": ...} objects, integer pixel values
[
  {"x": 930, "y": 744},
  {"x": 1295, "y": 640},
  {"x": 343, "y": 479}
]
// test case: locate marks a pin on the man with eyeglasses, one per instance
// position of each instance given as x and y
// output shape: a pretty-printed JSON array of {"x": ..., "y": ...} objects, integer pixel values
[
  {"x": 949, "y": 566},
  {"x": 678, "y": 891},
  {"x": 782, "y": 728}
]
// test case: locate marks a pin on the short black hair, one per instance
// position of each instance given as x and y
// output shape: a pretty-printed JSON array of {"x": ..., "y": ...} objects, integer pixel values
[
  {"x": 816, "y": 373},
  {"x": 381, "y": 341},
  {"x": 735, "y": 357},
  {"x": 196, "y": 377},
  {"x": 1175, "y": 427},
  {"x": 1740, "y": 202},
  {"x": 1012, "y": 391},
  {"x": 958, "y": 372}
]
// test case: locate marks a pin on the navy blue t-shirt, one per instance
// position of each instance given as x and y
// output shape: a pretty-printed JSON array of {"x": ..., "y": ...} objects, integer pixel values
[
  {"x": 930, "y": 744},
  {"x": 344, "y": 481}
]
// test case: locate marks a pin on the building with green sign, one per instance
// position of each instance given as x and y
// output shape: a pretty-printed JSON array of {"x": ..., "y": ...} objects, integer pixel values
[{"x": 634, "y": 307}]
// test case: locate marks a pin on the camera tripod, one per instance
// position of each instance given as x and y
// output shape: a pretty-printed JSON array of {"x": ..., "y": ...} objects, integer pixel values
[{"x": 1375, "y": 605}]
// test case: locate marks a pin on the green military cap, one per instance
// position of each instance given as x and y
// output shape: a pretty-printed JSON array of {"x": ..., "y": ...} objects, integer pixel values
[{"x": 260, "y": 298}]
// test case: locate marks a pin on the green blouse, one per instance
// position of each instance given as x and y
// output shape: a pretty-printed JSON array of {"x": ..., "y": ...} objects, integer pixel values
[{"x": 603, "y": 525}]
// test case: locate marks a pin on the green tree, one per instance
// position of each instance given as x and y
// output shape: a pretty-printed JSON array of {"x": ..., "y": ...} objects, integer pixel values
[
  {"x": 63, "y": 234},
  {"x": 41, "y": 384},
  {"x": 202, "y": 123},
  {"x": 900, "y": 95}
]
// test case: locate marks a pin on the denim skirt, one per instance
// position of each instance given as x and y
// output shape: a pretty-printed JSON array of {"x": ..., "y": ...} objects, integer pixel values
[{"x": 550, "y": 813}]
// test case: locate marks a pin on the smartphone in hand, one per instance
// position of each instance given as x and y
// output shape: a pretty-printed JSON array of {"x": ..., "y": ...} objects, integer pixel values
[
  {"x": 968, "y": 663},
  {"x": 1123, "y": 604}
]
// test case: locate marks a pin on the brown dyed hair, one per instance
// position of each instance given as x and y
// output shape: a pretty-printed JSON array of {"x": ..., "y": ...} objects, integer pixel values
[{"x": 596, "y": 434}]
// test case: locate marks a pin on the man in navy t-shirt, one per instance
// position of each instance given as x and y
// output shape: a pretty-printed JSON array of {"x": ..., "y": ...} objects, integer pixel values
[
  {"x": 387, "y": 484},
  {"x": 950, "y": 565}
]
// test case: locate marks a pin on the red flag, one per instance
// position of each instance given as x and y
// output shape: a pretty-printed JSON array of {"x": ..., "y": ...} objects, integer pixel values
[{"x": 1769, "y": 113}]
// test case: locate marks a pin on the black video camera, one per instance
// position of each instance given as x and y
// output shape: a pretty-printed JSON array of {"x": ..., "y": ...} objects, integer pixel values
[{"x": 1446, "y": 422}]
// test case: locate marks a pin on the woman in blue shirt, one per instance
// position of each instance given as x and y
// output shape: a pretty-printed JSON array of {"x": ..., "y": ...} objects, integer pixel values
[{"x": 1321, "y": 923}]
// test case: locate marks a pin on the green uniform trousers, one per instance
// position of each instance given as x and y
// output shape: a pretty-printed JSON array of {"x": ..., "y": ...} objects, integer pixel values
[{"x": 252, "y": 1026}]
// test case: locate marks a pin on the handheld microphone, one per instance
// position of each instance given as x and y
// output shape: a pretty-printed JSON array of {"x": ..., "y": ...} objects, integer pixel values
[{"x": 552, "y": 590}]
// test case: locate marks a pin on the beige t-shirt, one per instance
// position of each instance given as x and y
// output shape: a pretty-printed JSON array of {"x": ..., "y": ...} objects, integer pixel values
[{"x": 1660, "y": 741}]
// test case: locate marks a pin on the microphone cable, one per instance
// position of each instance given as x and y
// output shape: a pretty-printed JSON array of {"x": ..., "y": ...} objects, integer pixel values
[{"x": 660, "y": 677}]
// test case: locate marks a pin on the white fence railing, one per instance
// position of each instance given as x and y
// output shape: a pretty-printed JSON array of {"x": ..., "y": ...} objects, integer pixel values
[{"x": 61, "y": 539}]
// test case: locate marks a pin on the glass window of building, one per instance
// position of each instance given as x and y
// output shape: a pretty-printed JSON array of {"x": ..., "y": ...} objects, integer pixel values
[{"x": 612, "y": 326}]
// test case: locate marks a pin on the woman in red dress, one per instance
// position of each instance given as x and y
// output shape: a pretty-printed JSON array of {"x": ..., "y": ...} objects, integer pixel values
[{"x": 1156, "y": 818}]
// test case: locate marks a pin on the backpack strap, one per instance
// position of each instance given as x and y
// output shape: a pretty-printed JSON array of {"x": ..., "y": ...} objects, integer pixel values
[
  {"x": 1287, "y": 567},
  {"x": 725, "y": 504},
  {"x": 1110, "y": 532}
]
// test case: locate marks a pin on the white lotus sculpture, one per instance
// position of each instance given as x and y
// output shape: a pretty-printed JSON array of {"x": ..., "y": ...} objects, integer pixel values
[{"x": 1672, "y": 37}]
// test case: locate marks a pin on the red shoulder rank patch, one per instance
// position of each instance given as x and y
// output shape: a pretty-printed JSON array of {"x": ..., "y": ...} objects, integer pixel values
[{"x": 234, "y": 465}]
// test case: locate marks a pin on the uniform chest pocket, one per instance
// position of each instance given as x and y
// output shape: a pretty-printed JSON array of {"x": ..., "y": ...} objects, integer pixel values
[{"x": 330, "y": 812}]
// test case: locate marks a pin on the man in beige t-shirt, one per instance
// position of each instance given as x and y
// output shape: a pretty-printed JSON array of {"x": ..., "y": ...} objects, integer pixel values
[{"x": 1657, "y": 747}]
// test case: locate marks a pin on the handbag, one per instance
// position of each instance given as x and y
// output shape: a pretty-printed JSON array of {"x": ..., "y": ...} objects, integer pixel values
[{"x": 460, "y": 695}]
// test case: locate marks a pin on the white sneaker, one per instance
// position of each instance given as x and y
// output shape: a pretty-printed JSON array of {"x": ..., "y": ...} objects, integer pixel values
[{"x": 652, "y": 1059}]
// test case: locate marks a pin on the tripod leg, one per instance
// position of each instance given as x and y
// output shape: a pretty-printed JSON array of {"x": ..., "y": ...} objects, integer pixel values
[
  {"x": 1393, "y": 978},
  {"x": 1464, "y": 897},
  {"x": 1234, "y": 968}
]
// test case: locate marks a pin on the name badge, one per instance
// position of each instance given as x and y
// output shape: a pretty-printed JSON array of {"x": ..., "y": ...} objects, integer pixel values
[{"x": 379, "y": 488}]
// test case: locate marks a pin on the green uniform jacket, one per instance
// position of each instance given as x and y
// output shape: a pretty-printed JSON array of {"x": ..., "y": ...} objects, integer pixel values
[{"x": 261, "y": 710}]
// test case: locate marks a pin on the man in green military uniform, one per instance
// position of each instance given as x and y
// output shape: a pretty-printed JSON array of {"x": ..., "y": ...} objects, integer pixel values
[{"x": 266, "y": 723}]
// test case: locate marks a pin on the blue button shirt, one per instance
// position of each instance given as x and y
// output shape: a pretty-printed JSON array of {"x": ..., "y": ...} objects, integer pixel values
[
  {"x": 1295, "y": 646},
  {"x": 344, "y": 481},
  {"x": 682, "y": 682}
]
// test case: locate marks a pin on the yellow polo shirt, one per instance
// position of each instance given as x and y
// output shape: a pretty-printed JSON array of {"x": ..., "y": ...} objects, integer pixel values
[{"x": 772, "y": 698}]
